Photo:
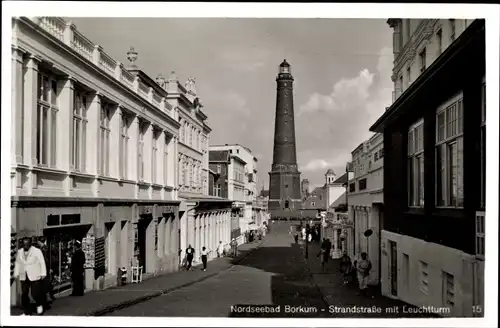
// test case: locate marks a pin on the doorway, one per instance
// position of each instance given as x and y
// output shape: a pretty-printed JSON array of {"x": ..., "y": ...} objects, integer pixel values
[
  {"x": 142, "y": 228},
  {"x": 394, "y": 267},
  {"x": 61, "y": 242}
]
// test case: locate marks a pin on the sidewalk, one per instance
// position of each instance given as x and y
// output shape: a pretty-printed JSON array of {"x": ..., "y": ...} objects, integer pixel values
[
  {"x": 98, "y": 303},
  {"x": 330, "y": 284}
]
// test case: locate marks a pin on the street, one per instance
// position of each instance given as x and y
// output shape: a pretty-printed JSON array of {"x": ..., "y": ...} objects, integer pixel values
[{"x": 274, "y": 274}]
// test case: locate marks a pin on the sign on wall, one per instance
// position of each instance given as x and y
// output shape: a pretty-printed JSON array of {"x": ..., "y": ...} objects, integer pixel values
[{"x": 88, "y": 247}]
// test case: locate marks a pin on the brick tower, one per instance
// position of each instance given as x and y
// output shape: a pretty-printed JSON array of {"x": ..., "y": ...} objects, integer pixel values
[{"x": 284, "y": 178}]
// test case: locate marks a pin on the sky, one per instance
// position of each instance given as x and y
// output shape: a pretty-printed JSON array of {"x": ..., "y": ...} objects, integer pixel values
[{"x": 341, "y": 67}]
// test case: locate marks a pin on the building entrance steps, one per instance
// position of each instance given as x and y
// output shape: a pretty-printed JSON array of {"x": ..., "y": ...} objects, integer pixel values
[
  {"x": 97, "y": 303},
  {"x": 330, "y": 280}
]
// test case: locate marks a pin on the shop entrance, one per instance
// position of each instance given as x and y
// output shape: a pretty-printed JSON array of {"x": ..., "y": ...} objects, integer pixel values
[
  {"x": 61, "y": 242},
  {"x": 142, "y": 227}
]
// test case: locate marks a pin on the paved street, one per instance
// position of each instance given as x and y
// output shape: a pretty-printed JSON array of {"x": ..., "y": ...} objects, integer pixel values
[{"x": 273, "y": 274}]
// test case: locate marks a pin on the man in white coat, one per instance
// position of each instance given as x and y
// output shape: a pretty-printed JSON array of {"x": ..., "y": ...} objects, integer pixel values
[{"x": 31, "y": 270}]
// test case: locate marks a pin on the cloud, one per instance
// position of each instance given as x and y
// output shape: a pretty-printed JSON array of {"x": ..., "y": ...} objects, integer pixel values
[
  {"x": 236, "y": 102},
  {"x": 323, "y": 164},
  {"x": 247, "y": 61},
  {"x": 330, "y": 126},
  {"x": 346, "y": 93}
]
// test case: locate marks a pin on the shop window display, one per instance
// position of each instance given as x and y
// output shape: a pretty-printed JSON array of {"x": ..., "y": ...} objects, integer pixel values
[{"x": 61, "y": 248}]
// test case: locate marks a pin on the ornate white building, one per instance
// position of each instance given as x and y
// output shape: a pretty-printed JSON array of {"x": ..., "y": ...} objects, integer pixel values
[
  {"x": 205, "y": 220},
  {"x": 93, "y": 156}
]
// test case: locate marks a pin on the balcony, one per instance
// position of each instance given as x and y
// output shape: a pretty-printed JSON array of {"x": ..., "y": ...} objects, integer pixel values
[{"x": 66, "y": 33}]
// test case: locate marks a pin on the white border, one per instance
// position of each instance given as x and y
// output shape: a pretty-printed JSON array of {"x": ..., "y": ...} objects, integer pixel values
[{"x": 121, "y": 9}]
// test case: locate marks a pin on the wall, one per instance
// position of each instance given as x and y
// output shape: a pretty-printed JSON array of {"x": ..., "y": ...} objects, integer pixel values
[{"x": 439, "y": 258}]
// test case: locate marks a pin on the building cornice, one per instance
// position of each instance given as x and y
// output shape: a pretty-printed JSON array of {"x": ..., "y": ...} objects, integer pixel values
[{"x": 90, "y": 66}]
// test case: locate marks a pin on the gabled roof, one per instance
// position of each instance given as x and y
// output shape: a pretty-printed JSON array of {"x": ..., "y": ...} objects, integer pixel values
[
  {"x": 342, "y": 179},
  {"x": 339, "y": 201},
  {"x": 218, "y": 156}
]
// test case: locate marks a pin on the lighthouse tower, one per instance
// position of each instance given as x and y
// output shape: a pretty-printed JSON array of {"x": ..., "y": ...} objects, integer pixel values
[{"x": 284, "y": 178}]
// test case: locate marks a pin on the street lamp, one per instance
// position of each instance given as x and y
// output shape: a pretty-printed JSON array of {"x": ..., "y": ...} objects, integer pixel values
[{"x": 307, "y": 240}]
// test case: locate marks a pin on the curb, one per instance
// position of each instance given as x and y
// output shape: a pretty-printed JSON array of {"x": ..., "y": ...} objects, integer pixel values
[{"x": 123, "y": 305}]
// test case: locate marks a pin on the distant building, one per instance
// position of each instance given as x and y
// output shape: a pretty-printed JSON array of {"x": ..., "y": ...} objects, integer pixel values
[
  {"x": 304, "y": 188},
  {"x": 219, "y": 161},
  {"x": 365, "y": 200},
  {"x": 433, "y": 236},
  {"x": 240, "y": 181}
]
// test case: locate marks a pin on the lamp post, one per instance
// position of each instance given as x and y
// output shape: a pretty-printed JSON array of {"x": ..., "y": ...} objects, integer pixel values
[{"x": 307, "y": 241}]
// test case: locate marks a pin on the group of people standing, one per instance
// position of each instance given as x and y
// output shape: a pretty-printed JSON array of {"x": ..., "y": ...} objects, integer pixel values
[
  {"x": 359, "y": 271},
  {"x": 33, "y": 271}
]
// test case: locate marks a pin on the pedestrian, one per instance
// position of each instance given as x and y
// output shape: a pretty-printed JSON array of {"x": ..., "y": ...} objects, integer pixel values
[
  {"x": 296, "y": 237},
  {"x": 328, "y": 247},
  {"x": 220, "y": 249},
  {"x": 189, "y": 257},
  {"x": 363, "y": 267},
  {"x": 204, "y": 257},
  {"x": 234, "y": 247},
  {"x": 31, "y": 270},
  {"x": 77, "y": 270},
  {"x": 324, "y": 255},
  {"x": 345, "y": 267},
  {"x": 47, "y": 283}
]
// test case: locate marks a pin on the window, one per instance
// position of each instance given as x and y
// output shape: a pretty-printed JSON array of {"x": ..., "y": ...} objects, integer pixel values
[
  {"x": 352, "y": 187},
  {"x": 313, "y": 204},
  {"x": 47, "y": 120},
  {"x": 217, "y": 190},
  {"x": 182, "y": 173},
  {"x": 480, "y": 234},
  {"x": 104, "y": 130},
  {"x": 165, "y": 160},
  {"x": 406, "y": 270},
  {"x": 362, "y": 184},
  {"x": 401, "y": 83},
  {"x": 124, "y": 138},
  {"x": 407, "y": 28},
  {"x": 439, "y": 43},
  {"x": 219, "y": 168},
  {"x": 186, "y": 173},
  {"x": 416, "y": 164},
  {"x": 408, "y": 76},
  {"x": 424, "y": 277},
  {"x": 452, "y": 29},
  {"x": 154, "y": 155},
  {"x": 140, "y": 151},
  {"x": 182, "y": 132},
  {"x": 422, "y": 60},
  {"x": 381, "y": 153},
  {"x": 376, "y": 156},
  {"x": 79, "y": 130},
  {"x": 483, "y": 146},
  {"x": 448, "y": 289},
  {"x": 449, "y": 155}
]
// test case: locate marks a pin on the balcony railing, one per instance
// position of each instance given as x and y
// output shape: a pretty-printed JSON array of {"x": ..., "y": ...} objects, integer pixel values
[{"x": 66, "y": 33}]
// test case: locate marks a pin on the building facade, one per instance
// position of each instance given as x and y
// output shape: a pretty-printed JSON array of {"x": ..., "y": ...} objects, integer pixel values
[
  {"x": 284, "y": 178},
  {"x": 365, "y": 201},
  {"x": 219, "y": 161},
  {"x": 241, "y": 185},
  {"x": 93, "y": 156},
  {"x": 204, "y": 220},
  {"x": 304, "y": 188},
  {"x": 434, "y": 169}
]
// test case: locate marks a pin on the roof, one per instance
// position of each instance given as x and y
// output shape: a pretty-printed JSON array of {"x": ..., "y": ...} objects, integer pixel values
[
  {"x": 343, "y": 179},
  {"x": 284, "y": 63},
  {"x": 339, "y": 201},
  {"x": 330, "y": 171},
  {"x": 218, "y": 156},
  {"x": 318, "y": 190},
  {"x": 264, "y": 193}
]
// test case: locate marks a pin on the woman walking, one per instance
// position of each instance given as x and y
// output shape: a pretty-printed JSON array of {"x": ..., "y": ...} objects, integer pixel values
[
  {"x": 220, "y": 249},
  {"x": 204, "y": 257},
  {"x": 363, "y": 267},
  {"x": 345, "y": 267},
  {"x": 189, "y": 257}
]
